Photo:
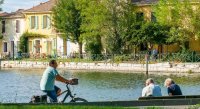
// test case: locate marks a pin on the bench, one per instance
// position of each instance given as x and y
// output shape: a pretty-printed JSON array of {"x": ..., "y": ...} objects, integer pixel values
[{"x": 170, "y": 97}]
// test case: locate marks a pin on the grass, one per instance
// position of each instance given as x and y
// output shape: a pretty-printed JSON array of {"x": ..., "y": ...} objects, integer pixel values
[
  {"x": 58, "y": 107},
  {"x": 18, "y": 106}
]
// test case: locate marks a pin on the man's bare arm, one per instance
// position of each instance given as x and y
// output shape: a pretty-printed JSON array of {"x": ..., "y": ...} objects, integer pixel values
[{"x": 61, "y": 79}]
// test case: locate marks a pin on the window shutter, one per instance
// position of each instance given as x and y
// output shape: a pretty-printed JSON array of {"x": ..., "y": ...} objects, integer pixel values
[
  {"x": 30, "y": 22},
  {"x": 33, "y": 49},
  {"x": 42, "y": 22},
  {"x": 37, "y": 22},
  {"x": 3, "y": 26},
  {"x": 19, "y": 29},
  {"x": 48, "y": 22},
  {"x": 17, "y": 26}
]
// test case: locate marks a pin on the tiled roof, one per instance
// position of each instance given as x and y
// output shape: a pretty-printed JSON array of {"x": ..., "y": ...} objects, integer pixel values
[
  {"x": 42, "y": 7},
  {"x": 17, "y": 14},
  {"x": 3, "y": 14}
]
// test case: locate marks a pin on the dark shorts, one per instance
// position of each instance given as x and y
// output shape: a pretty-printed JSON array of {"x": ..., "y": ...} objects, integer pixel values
[{"x": 52, "y": 94}]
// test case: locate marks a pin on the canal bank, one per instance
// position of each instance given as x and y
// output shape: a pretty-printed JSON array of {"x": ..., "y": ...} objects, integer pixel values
[{"x": 128, "y": 67}]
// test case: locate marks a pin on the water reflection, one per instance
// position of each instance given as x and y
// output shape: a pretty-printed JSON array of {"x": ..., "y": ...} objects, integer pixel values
[{"x": 19, "y": 85}]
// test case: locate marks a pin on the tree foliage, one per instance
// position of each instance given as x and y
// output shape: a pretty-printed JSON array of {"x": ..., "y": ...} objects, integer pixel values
[
  {"x": 67, "y": 19},
  {"x": 154, "y": 33},
  {"x": 94, "y": 46},
  {"x": 94, "y": 16},
  {"x": 119, "y": 24},
  {"x": 112, "y": 26},
  {"x": 109, "y": 21},
  {"x": 183, "y": 18}
]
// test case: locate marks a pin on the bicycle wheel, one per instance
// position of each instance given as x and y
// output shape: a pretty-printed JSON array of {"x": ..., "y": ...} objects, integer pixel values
[{"x": 78, "y": 100}]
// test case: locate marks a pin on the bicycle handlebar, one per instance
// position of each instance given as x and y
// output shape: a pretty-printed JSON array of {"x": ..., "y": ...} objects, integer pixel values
[{"x": 74, "y": 81}]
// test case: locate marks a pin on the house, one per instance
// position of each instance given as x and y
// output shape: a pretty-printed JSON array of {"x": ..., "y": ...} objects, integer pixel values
[
  {"x": 145, "y": 9},
  {"x": 12, "y": 27},
  {"x": 38, "y": 19}
]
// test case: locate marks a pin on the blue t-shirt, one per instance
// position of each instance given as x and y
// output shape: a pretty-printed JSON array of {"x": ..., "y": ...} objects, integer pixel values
[
  {"x": 157, "y": 91},
  {"x": 174, "y": 89},
  {"x": 152, "y": 90},
  {"x": 48, "y": 79}
]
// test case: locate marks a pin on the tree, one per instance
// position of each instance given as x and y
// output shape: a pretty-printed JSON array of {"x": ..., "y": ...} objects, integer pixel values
[
  {"x": 93, "y": 15},
  {"x": 127, "y": 24},
  {"x": 182, "y": 17},
  {"x": 1, "y": 2},
  {"x": 67, "y": 19},
  {"x": 154, "y": 33},
  {"x": 109, "y": 21},
  {"x": 94, "y": 46},
  {"x": 116, "y": 25}
]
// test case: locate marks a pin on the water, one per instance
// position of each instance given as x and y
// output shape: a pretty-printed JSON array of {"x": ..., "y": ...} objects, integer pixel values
[{"x": 17, "y": 86}]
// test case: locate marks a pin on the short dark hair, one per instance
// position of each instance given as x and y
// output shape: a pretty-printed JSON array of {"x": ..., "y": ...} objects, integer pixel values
[{"x": 52, "y": 62}]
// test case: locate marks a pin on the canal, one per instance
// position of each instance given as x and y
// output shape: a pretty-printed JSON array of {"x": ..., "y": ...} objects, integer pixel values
[{"x": 17, "y": 85}]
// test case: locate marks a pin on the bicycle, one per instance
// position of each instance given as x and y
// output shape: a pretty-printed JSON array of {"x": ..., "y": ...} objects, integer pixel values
[
  {"x": 73, "y": 98},
  {"x": 43, "y": 98}
]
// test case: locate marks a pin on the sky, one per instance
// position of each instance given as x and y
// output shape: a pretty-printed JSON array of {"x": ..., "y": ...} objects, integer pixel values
[{"x": 14, "y": 5}]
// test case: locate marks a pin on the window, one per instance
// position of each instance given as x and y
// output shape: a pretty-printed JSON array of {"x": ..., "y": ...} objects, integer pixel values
[
  {"x": 5, "y": 45},
  {"x": 3, "y": 26},
  {"x": 17, "y": 26},
  {"x": 45, "y": 21},
  {"x": 33, "y": 22},
  {"x": 153, "y": 17},
  {"x": 12, "y": 44},
  {"x": 30, "y": 45},
  {"x": 140, "y": 16}
]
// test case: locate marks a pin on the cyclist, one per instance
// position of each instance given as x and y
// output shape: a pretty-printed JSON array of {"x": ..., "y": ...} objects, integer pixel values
[{"x": 47, "y": 83}]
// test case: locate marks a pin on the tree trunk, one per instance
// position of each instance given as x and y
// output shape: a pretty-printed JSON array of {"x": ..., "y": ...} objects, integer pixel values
[{"x": 80, "y": 44}]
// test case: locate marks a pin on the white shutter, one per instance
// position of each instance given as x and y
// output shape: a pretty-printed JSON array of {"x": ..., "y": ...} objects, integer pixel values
[{"x": 48, "y": 22}]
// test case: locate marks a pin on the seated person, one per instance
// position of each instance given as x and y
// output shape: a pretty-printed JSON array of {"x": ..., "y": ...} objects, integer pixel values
[
  {"x": 172, "y": 88},
  {"x": 151, "y": 89}
]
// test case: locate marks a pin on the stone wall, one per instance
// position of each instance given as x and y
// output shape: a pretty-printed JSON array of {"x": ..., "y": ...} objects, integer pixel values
[{"x": 157, "y": 67}]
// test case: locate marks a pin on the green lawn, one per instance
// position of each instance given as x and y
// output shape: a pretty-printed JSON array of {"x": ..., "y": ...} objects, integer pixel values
[
  {"x": 67, "y": 107},
  {"x": 56, "y": 107}
]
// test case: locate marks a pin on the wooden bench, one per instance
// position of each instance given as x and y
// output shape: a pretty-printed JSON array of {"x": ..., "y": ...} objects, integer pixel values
[{"x": 170, "y": 97}]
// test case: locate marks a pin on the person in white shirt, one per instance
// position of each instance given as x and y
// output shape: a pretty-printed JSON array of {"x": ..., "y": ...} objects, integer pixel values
[{"x": 151, "y": 89}]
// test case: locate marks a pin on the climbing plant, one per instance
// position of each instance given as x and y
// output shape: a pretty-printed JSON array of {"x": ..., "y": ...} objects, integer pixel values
[{"x": 23, "y": 46}]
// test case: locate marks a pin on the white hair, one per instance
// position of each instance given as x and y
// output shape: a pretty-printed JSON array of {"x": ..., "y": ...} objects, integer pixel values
[
  {"x": 150, "y": 80},
  {"x": 168, "y": 81}
]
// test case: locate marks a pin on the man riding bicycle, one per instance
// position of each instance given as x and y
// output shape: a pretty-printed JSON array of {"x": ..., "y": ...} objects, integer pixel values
[{"x": 47, "y": 83}]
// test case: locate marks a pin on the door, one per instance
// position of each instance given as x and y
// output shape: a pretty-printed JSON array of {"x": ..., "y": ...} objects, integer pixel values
[
  {"x": 49, "y": 47},
  {"x": 37, "y": 46},
  {"x": 12, "y": 48}
]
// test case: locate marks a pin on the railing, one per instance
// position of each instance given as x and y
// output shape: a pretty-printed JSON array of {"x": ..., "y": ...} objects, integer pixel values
[{"x": 109, "y": 58}]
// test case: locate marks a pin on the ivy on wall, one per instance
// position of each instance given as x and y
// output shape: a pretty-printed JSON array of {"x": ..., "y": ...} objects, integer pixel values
[
  {"x": 23, "y": 46},
  {"x": 1, "y": 36}
]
